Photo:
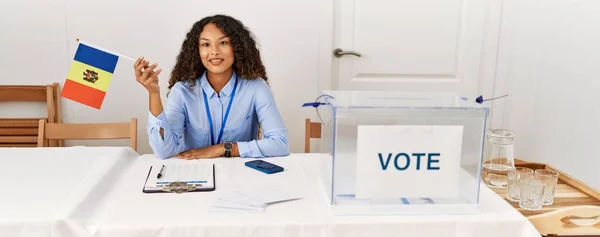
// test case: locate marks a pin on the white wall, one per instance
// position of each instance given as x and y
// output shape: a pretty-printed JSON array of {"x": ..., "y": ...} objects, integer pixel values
[
  {"x": 38, "y": 43},
  {"x": 549, "y": 59}
]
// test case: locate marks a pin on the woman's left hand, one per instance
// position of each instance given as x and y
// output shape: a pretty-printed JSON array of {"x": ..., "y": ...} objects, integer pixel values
[{"x": 202, "y": 153}]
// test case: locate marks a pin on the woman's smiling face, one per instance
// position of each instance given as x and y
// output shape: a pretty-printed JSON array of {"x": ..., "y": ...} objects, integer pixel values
[{"x": 215, "y": 49}]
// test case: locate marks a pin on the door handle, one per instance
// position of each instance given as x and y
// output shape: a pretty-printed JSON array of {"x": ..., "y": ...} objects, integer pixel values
[{"x": 339, "y": 52}]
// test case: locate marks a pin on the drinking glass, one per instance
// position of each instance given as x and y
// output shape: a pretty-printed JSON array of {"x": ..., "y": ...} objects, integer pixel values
[
  {"x": 514, "y": 182},
  {"x": 532, "y": 190},
  {"x": 550, "y": 180}
]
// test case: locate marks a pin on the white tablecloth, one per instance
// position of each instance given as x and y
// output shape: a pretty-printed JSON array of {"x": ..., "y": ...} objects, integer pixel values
[
  {"x": 41, "y": 187},
  {"x": 100, "y": 194}
]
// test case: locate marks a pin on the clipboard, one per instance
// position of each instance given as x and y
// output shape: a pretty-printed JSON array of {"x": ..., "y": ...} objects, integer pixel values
[{"x": 201, "y": 184}]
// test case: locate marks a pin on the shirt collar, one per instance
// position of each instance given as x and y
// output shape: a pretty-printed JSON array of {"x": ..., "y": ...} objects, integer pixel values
[{"x": 226, "y": 91}]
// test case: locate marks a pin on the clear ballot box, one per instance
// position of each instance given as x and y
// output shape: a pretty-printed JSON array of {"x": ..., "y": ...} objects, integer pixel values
[{"x": 402, "y": 153}]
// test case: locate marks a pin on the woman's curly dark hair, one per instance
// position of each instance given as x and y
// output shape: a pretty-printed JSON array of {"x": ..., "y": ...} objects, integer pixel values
[{"x": 247, "y": 63}]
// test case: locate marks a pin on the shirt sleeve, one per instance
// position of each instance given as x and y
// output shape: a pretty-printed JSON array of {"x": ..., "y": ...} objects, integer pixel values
[
  {"x": 275, "y": 141},
  {"x": 172, "y": 121}
]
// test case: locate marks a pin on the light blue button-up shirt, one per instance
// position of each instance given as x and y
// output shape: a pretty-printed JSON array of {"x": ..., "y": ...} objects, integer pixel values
[{"x": 185, "y": 123}]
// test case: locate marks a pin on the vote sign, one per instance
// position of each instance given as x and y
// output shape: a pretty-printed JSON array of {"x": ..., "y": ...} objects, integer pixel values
[{"x": 395, "y": 161}]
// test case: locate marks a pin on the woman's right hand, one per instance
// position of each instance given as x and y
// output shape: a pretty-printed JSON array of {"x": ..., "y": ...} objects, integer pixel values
[{"x": 146, "y": 75}]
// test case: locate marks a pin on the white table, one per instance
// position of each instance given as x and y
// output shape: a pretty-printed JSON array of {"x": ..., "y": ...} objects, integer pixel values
[{"x": 102, "y": 196}]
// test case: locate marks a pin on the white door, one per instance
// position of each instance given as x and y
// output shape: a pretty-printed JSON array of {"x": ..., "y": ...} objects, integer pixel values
[{"x": 414, "y": 45}]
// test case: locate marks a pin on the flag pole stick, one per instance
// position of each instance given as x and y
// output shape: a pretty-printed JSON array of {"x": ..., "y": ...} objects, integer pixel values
[{"x": 118, "y": 54}]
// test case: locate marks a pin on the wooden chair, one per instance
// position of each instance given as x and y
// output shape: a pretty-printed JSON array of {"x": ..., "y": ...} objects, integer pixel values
[
  {"x": 87, "y": 131},
  {"x": 312, "y": 130},
  {"x": 23, "y": 132}
]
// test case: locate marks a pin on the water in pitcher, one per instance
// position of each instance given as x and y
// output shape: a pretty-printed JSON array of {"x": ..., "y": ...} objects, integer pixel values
[
  {"x": 498, "y": 157},
  {"x": 496, "y": 174}
]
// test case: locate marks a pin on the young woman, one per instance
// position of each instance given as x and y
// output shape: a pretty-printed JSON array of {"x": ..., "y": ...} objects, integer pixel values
[{"x": 218, "y": 97}]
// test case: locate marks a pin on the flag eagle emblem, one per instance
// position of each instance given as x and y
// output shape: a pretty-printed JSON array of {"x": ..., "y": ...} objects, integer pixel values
[{"x": 90, "y": 75}]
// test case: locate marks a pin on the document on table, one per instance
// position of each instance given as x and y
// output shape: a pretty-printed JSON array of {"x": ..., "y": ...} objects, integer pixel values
[
  {"x": 254, "y": 199},
  {"x": 199, "y": 175}
]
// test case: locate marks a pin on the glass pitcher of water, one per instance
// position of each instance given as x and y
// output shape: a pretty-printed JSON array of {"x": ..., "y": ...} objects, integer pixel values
[{"x": 498, "y": 159}]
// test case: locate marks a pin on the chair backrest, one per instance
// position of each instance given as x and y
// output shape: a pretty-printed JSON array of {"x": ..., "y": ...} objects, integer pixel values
[
  {"x": 23, "y": 132},
  {"x": 18, "y": 132},
  {"x": 87, "y": 131},
  {"x": 312, "y": 130}
]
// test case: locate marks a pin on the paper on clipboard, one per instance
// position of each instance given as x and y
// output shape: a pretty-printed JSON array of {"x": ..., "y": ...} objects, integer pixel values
[{"x": 198, "y": 174}]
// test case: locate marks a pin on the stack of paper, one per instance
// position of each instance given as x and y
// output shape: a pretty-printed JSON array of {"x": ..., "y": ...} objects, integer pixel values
[{"x": 254, "y": 199}]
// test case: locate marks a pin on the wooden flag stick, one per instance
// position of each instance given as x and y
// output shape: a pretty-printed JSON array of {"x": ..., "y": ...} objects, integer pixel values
[{"x": 118, "y": 54}]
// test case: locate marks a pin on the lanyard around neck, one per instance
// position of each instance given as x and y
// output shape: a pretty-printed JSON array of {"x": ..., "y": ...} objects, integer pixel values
[{"x": 210, "y": 122}]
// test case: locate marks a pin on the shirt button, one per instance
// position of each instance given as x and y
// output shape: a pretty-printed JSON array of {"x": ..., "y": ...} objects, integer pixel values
[{"x": 218, "y": 104}]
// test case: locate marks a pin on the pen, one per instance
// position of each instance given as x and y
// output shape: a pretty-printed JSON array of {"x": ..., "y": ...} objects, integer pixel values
[{"x": 160, "y": 172}]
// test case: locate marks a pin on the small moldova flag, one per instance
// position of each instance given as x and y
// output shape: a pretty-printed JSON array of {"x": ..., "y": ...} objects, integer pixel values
[{"x": 90, "y": 75}]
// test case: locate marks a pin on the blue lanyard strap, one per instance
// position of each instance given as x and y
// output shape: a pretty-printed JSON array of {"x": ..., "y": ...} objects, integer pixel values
[{"x": 210, "y": 122}]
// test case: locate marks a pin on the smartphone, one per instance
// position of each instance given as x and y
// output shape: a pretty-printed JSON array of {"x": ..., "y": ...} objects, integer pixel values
[{"x": 263, "y": 166}]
